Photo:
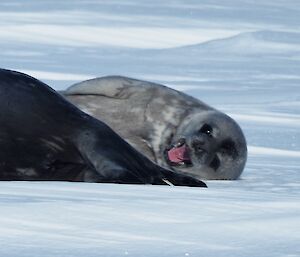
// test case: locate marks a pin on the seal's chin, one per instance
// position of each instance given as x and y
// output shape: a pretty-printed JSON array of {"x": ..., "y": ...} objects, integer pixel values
[{"x": 179, "y": 154}]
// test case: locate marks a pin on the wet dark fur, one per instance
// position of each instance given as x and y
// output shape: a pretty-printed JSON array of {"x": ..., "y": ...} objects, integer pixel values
[{"x": 44, "y": 137}]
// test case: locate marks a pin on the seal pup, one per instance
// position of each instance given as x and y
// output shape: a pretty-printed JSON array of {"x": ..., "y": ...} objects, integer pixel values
[
  {"x": 44, "y": 137},
  {"x": 172, "y": 128}
]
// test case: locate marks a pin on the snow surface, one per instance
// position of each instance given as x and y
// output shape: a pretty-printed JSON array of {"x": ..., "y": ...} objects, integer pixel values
[{"x": 242, "y": 57}]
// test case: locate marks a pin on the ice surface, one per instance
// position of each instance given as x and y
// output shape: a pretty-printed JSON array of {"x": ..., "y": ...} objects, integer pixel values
[{"x": 242, "y": 57}]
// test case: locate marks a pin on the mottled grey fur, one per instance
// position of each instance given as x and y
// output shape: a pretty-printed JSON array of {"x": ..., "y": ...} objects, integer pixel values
[{"x": 152, "y": 117}]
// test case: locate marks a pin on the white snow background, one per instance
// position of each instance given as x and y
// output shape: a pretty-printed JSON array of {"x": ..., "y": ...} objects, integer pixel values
[{"x": 242, "y": 57}]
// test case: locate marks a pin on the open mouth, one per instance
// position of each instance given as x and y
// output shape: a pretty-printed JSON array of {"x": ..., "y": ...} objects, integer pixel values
[{"x": 178, "y": 154}]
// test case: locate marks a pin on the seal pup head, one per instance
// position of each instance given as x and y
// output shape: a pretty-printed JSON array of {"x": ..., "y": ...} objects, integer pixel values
[{"x": 208, "y": 145}]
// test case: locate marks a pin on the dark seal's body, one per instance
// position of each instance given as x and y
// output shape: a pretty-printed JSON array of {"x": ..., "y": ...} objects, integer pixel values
[
  {"x": 44, "y": 137},
  {"x": 171, "y": 128}
]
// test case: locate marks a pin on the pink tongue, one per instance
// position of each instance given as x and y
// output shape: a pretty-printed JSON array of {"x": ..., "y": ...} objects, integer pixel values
[{"x": 178, "y": 154}]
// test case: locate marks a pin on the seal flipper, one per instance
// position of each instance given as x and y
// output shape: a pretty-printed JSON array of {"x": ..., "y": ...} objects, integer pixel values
[
  {"x": 162, "y": 177},
  {"x": 178, "y": 179},
  {"x": 121, "y": 163}
]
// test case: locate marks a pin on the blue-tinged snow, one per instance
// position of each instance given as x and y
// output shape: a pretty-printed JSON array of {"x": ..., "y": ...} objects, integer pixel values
[{"x": 242, "y": 57}]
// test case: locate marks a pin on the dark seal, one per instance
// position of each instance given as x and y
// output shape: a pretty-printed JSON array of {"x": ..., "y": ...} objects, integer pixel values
[
  {"x": 44, "y": 137},
  {"x": 171, "y": 128}
]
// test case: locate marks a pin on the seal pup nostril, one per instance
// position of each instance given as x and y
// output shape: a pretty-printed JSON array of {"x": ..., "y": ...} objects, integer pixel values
[{"x": 215, "y": 164}]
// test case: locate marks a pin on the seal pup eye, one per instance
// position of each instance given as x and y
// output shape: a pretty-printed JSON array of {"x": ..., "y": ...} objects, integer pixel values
[{"x": 206, "y": 129}]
